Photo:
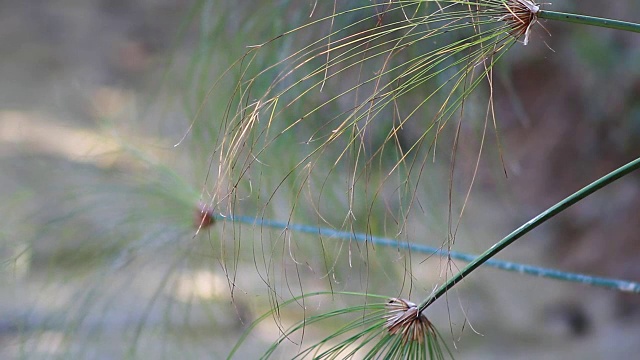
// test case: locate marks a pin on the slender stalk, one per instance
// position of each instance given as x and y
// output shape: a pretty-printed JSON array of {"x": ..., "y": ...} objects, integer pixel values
[
  {"x": 530, "y": 225},
  {"x": 616, "y": 284},
  {"x": 588, "y": 20}
]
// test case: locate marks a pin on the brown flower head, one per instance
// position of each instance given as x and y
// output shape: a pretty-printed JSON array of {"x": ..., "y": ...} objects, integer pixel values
[
  {"x": 204, "y": 217},
  {"x": 404, "y": 318},
  {"x": 520, "y": 15}
]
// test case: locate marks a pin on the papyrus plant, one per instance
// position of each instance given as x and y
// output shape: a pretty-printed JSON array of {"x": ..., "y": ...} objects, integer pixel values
[{"x": 391, "y": 66}]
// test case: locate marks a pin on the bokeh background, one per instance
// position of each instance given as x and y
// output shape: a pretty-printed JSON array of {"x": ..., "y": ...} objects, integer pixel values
[{"x": 100, "y": 253}]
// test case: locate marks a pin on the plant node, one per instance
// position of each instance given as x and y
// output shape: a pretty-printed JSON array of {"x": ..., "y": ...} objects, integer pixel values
[
  {"x": 405, "y": 319},
  {"x": 520, "y": 15},
  {"x": 204, "y": 217}
]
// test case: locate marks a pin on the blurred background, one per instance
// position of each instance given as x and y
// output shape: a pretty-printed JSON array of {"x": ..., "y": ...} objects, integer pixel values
[{"x": 102, "y": 255}]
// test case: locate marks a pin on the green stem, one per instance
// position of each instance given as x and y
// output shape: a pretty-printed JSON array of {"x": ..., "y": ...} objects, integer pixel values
[
  {"x": 530, "y": 225},
  {"x": 589, "y": 20}
]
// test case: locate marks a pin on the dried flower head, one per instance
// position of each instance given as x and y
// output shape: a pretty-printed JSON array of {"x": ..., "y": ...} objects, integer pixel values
[
  {"x": 520, "y": 16},
  {"x": 204, "y": 217},
  {"x": 404, "y": 318}
]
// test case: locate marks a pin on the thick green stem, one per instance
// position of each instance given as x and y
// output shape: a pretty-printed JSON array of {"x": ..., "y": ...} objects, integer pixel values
[
  {"x": 530, "y": 225},
  {"x": 589, "y": 20}
]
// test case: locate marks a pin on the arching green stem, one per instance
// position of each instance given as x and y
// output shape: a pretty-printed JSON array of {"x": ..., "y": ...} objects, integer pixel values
[
  {"x": 530, "y": 225},
  {"x": 589, "y": 20}
]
